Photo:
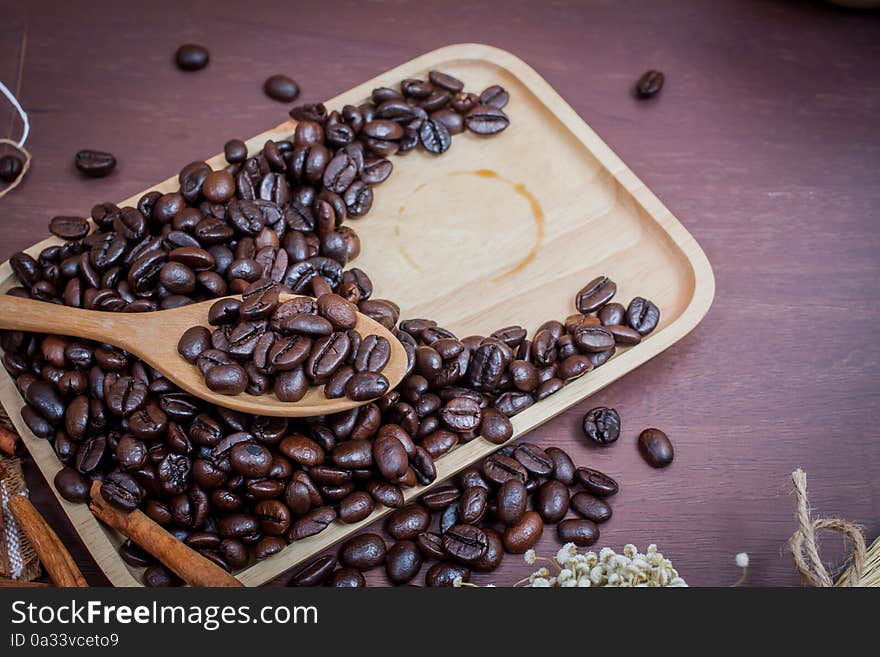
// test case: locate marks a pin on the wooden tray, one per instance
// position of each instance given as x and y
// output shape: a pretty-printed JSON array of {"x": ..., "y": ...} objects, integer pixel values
[{"x": 497, "y": 231}]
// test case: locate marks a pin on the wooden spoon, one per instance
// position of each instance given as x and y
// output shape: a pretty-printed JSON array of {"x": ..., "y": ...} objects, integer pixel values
[{"x": 153, "y": 338}]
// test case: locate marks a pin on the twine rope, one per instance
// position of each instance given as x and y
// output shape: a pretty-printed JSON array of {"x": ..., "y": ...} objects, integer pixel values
[
  {"x": 19, "y": 145},
  {"x": 805, "y": 548}
]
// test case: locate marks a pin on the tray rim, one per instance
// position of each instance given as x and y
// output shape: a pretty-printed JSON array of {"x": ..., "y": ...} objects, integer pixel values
[{"x": 95, "y": 537}]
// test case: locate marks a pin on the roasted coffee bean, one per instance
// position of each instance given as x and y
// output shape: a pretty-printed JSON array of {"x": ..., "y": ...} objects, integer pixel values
[
  {"x": 313, "y": 522},
  {"x": 523, "y": 375},
  {"x": 534, "y": 459},
  {"x": 191, "y": 57},
  {"x": 595, "y": 294},
  {"x": 158, "y": 576},
  {"x": 235, "y": 151},
  {"x": 366, "y": 385},
  {"x": 403, "y": 562},
  {"x": 122, "y": 491},
  {"x": 511, "y": 403},
  {"x": 461, "y": 415},
  {"x": 473, "y": 504},
  {"x": 624, "y": 334},
  {"x": 642, "y": 315},
  {"x": 363, "y": 552},
  {"x": 10, "y": 167},
  {"x": 523, "y": 535},
  {"x": 441, "y": 497},
  {"x": 602, "y": 425},
  {"x": 563, "y": 467},
  {"x": 495, "y": 427},
  {"x": 194, "y": 342},
  {"x": 650, "y": 84},
  {"x": 385, "y": 493},
  {"x": 301, "y": 449},
  {"x": 552, "y": 501},
  {"x": 444, "y": 574},
  {"x": 435, "y": 136},
  {"x": 464, "y": 543},
  {"x": 590, "y": 507},
  {"x": 44, "y": 398},
  {"x": 498, "y": 469},
  {"x": 72, "y": 485},
  {"x": 593, "y": 339},
  {"x": 612, "y": 313},
  {"x": 486, "y": 120},
  {"x": 596, "y": 482},
  {"x": 373, "y": 354},
  {"x": 511, "y": 501},
  {"x": 494, "y": 96},
  {"x": 656, "y": 448},
  {"x": 346, "y": 578},
  {"x": 355, "y": 507},
  {"x": 407, "y": 522},
  {"x": 94, "y": 164},
  {"x": 353, "y": 454},
  {"x": 573, "y": 367},
  {"x": 431, "y": 545},
  {"x": 251, "y": 460},
  {"x": 439, "y": 442},
  {"x": 582, "y": 533},
  {"x": 281, "y": 88},
  {"x": 314, "y": 572},
  {"x": 69, "y": 228},
  {"x": 227, "y": 379}
]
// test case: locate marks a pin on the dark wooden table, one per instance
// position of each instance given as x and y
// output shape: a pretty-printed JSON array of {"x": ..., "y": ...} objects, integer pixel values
[{"x": 764, "y": 142}]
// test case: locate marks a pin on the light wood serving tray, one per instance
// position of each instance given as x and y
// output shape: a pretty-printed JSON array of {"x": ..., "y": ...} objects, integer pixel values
[{"x": 497, "y": 231}]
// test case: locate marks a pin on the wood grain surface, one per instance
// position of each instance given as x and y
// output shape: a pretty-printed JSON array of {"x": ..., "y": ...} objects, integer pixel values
[{"x": 764, "y": 143}]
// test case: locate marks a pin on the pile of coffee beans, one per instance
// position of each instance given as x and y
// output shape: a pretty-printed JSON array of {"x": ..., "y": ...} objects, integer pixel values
[
  {"x": 265, "y": 345},
  {"x": 237, "y": 487},
  {"x": 501, "y": 505}
]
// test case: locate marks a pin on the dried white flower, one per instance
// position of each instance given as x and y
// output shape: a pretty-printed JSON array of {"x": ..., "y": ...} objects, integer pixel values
[
  {"x": 457, "y": 582},
  {"x": 742, "y": 560},
  {"x": 530, "y": 557}
]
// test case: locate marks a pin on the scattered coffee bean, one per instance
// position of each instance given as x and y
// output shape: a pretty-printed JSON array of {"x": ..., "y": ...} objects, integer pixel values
[
  {"x": 10, "y": 167},
  {"x": 94, "y": 164},
  {"x": 191, "y": 57},
  {"x": 656, "y": 448},
  {"x": 650, "y": 84},
  {"x": 602, "y": 425},
  {"x": 281, "y": 88}
]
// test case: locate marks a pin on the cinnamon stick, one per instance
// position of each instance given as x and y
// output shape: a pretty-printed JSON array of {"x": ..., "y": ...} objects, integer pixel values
[
  {"x": 186, "y": 563},
  {"x": 53, "y": 555},
  {"x": 6, "y": 583},
  {"x": 8, "y": 441}
]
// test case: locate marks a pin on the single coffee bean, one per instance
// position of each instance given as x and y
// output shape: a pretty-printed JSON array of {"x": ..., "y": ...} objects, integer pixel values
[
  {"x": 403, "y": 562},
  {"x": 650, "y": 84},
  {"x": 158, "y": 576},
  {"x": 595, "y": 294},
  {"x": 281, "y": 88},
  {"x": 602, "y": 425},
  {"x": 534, "y": 459},
  {"x": 191, "y": 57},
  {"x": 407, "y": 522},
  {"x": 642, "y": 315},
  {"x": 656, "y": 448},
  {"x": 582, "y": 533},
  {"x": 194, "y": 342},
  {"x": 347, "y": 578},
  {"x": 511, "y": 501},
  {"x": 563, "y": 467},
  {"x": 94, "y": 164},
  {"x": 495, "y": 426},
  {"x": 314, "y": 572},
  {"x": 364, "y": 551},
  {"x": 235, "y": 151},
  {"x": 69, "y": 228},
  {"x": 72, "y": 485},
  {"x": 465, "y": 543},
  {"x": 494, "y": 553},
  {"x": 612, "y": 313},
  {"x": 435, "y": 136},
  {"x": 313, "y": 522},
  {"x": 595, "y": 482},
  {"x": 251, "y": 460},
  {"x": 134, "y": 555},
  {"x": 122, "y": 491},
  {"x": 10, "y": 167},
  {"x": 590, "y": 507},
  {"x": 461, "y": 414},
  {"x": 445, "y": 574},
  {"x": 592, "y": 339},
  {"x": 523, "y": 535},
  {"x": 301, "y": 449},
  {"x": 355, "y": 507},
  {"x": 498, "y": 468},
  {"x": 227, "y": 379},
  {"x": 486, "y": 120},
  {"x": 552, "y": 501},
  {"x": 473, "y": 504}
]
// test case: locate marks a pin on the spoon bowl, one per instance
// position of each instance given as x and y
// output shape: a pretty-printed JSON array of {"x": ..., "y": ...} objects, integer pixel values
[{"x": 153, "y": 336}]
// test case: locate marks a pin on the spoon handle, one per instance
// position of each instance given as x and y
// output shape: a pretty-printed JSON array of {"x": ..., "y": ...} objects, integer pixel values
[{"x": 19, "y": 314}]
